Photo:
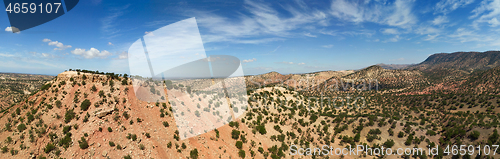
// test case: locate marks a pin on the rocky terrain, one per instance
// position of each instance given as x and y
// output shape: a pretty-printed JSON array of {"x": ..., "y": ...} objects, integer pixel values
[
  {"x": 87, "y": 114},
  {"x": 16, "y": 87}
]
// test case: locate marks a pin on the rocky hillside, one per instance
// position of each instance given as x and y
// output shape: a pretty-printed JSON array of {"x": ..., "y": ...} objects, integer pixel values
[
  {"x": 465, "y": 61},
  {"x": 16, "y": 87}
]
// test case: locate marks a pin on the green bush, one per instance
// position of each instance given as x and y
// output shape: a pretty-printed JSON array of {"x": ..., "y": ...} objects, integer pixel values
[
  {"x": 70, "y": 115},
  {"x": 241, "y": 153},
  {"x": 49, "y": 147},
  {"x": 239, "y": 144},
  {"x": 389, "y": 143},
  {"x": 474, "y": 135},
  {"x": 127, "y": 157},
  {"x": 85, "y": 105},
  {"x": 83, "y": 143},
  {"x": 21, "y": 127},
  {"x": 261, "y": 129},
  {"x": 235, "y": 134},
  {"x": 45, "y": 87},
  {"x": 194, "y": 153},
  {"x": 109, "y": 129},
  {"x": 111, "y": 143},
  {"x": 65, "y": 141},
  {"x": 5, "y": 149},
  {"x": 66, "y": 129}
]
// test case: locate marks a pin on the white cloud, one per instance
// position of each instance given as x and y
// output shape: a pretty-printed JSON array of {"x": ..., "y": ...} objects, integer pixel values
[
  {"x": 284, "y": 62},
  {"x": 394, "y": 39},
  {"x": 447, "y": 6},
  {"x": 109, "y": 43},
  {"x": 327, "y": 46},
  {"x": 6, "y": 55},
  {"x": 12, "y": 29},
  {"x": 489, "y": 11},
  {"x": 123, "y": 55},
  {"x": 398, "y": 13},
  {"x": 310, "y": 35},
  {"x": 427, "y": 30},
  {"x": 440, "y": 20},
  {"x": 92, "y": 53},
  {"x": 276, "y": 49},
  {"x": 149, "y": 33},
  {"x": 261, "y": 20},
  {"x": 301, "y": 63},
  {"x": 59, "y": 45},
  {"x": 390, "y": 31},
  {"x": 494, "y": 22},
  {"x": 109, "y": 22},
  {"x": 431, "y": 37},
  {"x": 249, "y": 60}
]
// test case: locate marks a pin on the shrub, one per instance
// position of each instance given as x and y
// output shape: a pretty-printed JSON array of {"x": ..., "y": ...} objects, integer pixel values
[
  {"x": 45, "y": 87},
  {"x": 58, "y": 104},
  {"x": 234, "y": 124},
  {"x": 261, "y": 129},
  {"x": 165, "y": 123},
  {"x": 474, "y": 135},
  {"x": 5, "y": 149},
  {"x": 194, "y": 153},
  {"x": 148, "y": 135},
  {"x": 83, "y": 143},
  {"x": 49, "y": 147},
  {"x": 134, "y": 137},
  {"x": 65, "y": 141},
  {"x": 235, "y": 134},
  {"x": 109, "y": 129},
  {"x": 401, "y": 134},
  {"x": 126, "y": 115},
  {"x": 389, "y": 143},
  {"x": 21, "y": 127},
  {"x": 85, "y": 105},
  {"x": 93, "y": 89},
  {"x": 241, "y": 153},
  {"x": 111, "y": 143},
  {"x": 239, "y": 144},
  {"x": 142, "y": 147},
  {"x": 70, "y": 115},
  {"x": 8, "y": 126},
  {"x": 66, "y": 129},
  {"x": 127, "y": 157}
]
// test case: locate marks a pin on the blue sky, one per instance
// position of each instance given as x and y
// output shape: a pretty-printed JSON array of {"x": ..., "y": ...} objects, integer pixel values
[{"x": 284, "y": 36}]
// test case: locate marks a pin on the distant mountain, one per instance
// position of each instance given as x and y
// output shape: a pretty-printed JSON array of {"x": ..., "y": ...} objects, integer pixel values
[
  {"x": 464, "y": 61},
  {"x": 390, "y": 78},
  {"x": 394, "y": 66}
]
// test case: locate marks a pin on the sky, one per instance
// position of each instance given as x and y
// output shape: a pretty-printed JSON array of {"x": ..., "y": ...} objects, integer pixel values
[{"x": 287, "y": 36}]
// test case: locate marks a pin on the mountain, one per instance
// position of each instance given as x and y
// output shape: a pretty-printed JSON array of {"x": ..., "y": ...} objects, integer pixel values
[
  {"x": 464, "y": 61},
  {"x": 394, "y": 66}
]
